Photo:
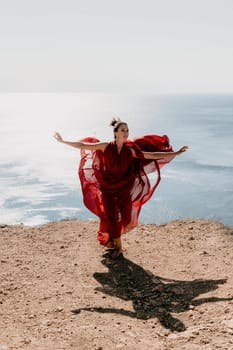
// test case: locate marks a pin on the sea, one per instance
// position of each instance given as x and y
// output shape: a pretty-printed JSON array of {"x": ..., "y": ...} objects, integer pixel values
[{"x": 38, "y": 176}]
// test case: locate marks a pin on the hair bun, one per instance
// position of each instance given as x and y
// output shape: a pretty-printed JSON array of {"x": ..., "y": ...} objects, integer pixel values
[{"x": 115, "y": 121}]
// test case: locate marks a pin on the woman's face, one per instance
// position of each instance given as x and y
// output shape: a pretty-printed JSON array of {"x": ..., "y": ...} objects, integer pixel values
[{"x": 122, "y": 133}]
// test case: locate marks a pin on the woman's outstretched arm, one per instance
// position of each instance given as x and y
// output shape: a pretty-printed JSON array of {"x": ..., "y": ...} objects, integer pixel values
[
  {"x": 162, "y": 155},
  {"x": 81, "y": 145}
]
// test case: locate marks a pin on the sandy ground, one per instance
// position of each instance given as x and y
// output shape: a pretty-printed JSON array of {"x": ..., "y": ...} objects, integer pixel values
[{"x": 172, "y": 288}]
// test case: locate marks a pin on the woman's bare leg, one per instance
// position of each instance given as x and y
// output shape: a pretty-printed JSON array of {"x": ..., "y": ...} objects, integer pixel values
[
  {"x": 110, "y": 245},
  {"x": 118, "y": 247}
]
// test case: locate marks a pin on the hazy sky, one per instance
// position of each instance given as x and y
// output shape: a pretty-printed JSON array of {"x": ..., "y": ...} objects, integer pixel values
[{"x": 143, "y": 46}]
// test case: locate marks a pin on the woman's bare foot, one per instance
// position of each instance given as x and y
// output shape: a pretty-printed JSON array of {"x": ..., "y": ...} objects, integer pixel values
[
  {"x": 116, "y": 253},
  {"x": 118, "y": 248},
  {"x": 110, "y": 245},
  {"x": 117, "y": 243}
]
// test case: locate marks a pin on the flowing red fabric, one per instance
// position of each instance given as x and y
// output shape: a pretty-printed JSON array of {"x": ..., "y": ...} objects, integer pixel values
[{"x": 116, "y": 185}]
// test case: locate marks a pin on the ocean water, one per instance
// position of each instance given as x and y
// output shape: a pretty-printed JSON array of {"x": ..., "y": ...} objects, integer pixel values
[{"x": 38, "y": 176}]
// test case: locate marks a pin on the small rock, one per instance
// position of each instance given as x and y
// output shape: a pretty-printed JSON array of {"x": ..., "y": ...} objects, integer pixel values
[
  {"x": 47, "y": 323},
  {"x": 31, "y": 316},
  {"x": 228, "y": 323},
  {"x": 59, "y": 309},
  {"x": 131, "y": 334},
  {"x": 204, "y": 253},
  {"x": 177, "y": 290}
]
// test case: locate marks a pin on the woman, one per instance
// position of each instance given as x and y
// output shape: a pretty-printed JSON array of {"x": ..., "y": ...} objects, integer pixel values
[{"x": 114, "y": 178}]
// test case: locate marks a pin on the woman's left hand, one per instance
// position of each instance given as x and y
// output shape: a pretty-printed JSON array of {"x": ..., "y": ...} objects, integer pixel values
[{"x": 182, "y": 149}]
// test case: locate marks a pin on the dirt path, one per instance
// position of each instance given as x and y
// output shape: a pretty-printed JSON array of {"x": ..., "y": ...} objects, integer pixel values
[{"x": 172, "y": 289}]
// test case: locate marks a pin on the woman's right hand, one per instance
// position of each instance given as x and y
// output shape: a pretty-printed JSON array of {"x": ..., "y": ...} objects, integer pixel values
[
  {"x": 182, "y": 149},
  {"x": 58, "y": 137}
]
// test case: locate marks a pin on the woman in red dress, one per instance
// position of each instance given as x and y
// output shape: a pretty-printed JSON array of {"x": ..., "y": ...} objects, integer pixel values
[{"x": 114, "y": 178}]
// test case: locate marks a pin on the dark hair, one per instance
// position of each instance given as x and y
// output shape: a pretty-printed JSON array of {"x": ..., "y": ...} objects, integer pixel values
[{"x": 116, "y": 123}]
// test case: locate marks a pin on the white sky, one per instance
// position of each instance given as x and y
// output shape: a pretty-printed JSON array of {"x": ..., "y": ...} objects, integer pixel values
[{"x": 142, "y": 46}]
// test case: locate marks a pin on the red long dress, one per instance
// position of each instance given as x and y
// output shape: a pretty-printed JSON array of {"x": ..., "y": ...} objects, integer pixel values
[{"x": 116, "y": 185}]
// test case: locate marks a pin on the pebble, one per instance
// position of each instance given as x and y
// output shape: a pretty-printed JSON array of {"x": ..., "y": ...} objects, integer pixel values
[
  {"x": 228, "y": 323},
  {"x": 59, "y": 309},
  {"x": 47, "y": 323}
]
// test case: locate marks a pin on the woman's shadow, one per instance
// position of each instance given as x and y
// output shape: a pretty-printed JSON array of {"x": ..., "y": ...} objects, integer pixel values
[{"x": 152, "y": 296}]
